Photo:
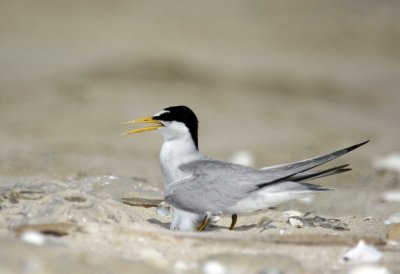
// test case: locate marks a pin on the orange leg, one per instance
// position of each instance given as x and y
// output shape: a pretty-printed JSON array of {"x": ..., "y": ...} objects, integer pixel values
[{"x": 203, "y": 224}]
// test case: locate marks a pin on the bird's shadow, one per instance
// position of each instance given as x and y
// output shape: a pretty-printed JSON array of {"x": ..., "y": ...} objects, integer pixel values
[
  {"x": 159, "y": 223},
  {"x": 237, "y": 228},
  {"x": 209, "y": 228},
  {"x": 244, "y": 227}
]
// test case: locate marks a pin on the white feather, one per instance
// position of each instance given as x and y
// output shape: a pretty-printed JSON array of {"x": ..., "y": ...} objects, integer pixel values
[
  {"x": 267, "y": 197},
  {"x": 178, "y": 148},
  {"x": 161, "y": 112},
  {"x": 362, "y": 253},
  {"x": 184, "y": 221}
]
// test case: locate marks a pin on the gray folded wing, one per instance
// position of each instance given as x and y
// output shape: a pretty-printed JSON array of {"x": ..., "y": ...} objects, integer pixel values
[{"x": 215, "y": 185}]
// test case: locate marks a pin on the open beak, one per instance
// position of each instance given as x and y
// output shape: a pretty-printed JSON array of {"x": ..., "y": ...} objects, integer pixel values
[{"x": 147, "y": 119}]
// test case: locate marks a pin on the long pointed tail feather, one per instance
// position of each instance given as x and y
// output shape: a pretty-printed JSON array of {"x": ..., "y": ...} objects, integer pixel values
[
  {"x": 280, "y": 173},
  {"x": 313, "y": 187},
  {"x": 304, "y": 176}
]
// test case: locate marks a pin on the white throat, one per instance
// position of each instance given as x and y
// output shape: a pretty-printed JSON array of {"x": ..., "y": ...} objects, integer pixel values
[{"x": 178, "y": 148}]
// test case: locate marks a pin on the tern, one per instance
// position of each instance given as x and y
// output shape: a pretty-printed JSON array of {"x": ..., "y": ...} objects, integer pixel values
[{"x": 199, "y": 188}]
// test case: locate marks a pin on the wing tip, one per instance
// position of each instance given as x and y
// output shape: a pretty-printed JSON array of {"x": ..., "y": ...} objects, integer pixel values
[{"x": 356, "y": 146}]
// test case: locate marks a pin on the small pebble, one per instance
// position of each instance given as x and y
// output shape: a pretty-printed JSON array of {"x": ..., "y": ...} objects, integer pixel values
[
  {"x": 180, "y": 265},
  {"x": 369, "y": 269},
  {"x": 296, "y": 222},
  {"x": 306, "y": 200},
  {"x": 213, "y": 267},
  {"x": 390, "y": 162},
  {"x": 33, "y": 237},
  {"x": 393, "y": 219},
  {"x": 293, "y": 213},
  {"x": 391, "y": 196},
  {"x": 362, "y": 253},
  {"x": 163, "y": 209},
  {"x": 215, "y": 218}
]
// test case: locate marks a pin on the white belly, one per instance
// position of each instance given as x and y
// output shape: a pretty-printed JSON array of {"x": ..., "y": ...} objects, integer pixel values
[
  {"x": 185, "y": 221},
  {"x": 172, "y": 155},
  {"x": 264, "y": 199}
]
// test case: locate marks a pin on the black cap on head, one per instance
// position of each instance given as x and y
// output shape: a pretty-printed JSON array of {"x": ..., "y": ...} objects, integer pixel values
[{"x": 181, "y": 114}]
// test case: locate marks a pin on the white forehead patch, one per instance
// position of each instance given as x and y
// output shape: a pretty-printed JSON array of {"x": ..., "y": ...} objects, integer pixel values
[{"x": 161, "y": 113}]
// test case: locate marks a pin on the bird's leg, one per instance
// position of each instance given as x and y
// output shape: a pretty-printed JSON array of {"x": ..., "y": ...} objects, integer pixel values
[
  {"x": 205, "y": 222},
  {"x": 233, "y": 223}
]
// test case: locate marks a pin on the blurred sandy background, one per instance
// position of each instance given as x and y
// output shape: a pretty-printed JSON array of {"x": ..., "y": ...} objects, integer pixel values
[{"x": 282, "y": 79}]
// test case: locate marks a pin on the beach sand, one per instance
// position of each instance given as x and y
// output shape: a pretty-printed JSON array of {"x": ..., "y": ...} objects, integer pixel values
[{"x": 282, "y": 81}]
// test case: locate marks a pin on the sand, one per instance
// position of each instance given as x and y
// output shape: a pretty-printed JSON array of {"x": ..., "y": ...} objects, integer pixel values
[{"x": 282, "y": 81}]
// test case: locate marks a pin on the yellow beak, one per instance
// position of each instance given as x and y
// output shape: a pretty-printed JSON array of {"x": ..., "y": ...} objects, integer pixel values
[{"x": 147, "y": 119}]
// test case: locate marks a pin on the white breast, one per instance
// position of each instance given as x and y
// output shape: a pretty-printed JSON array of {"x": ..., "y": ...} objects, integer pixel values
[{"x": 177, "y": 149}]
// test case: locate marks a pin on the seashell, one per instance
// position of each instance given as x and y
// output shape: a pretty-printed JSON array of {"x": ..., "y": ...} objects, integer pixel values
[
  {"x": 394, "y": 232},
  {"x": 362, "y": 253},
  {"x": 369, "y": 269},
  {"x": 33, "y": 237},
  {"x": 393, "y": 219},
  {"x": 293, "y": 213},
  {"x": 296, "y": 222},
  {"x": 163, "y": 209},
  {"x": 391, "y": 196},
  {"x": 390, "y": 162},
  {"x": 306, "y": 200},
  {"x": 214, "y": 267}
]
